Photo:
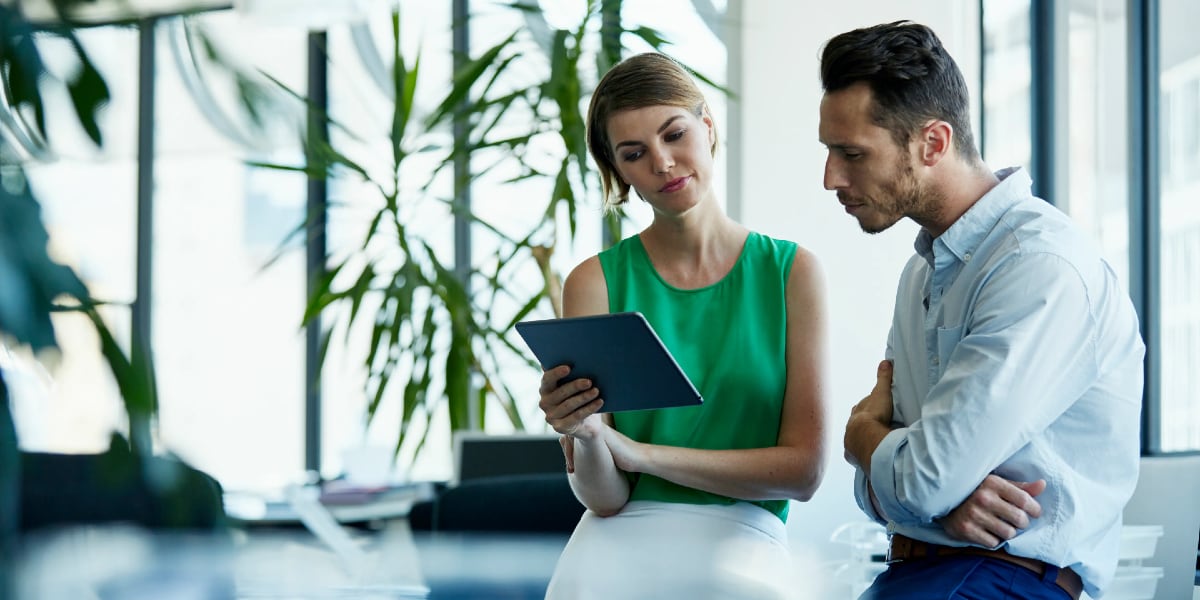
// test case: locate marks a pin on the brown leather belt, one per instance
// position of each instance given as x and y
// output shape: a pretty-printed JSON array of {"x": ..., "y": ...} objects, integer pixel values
[{"x": 903, "y": 548}]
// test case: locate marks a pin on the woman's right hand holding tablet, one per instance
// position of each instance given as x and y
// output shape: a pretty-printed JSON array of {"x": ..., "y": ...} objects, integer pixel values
[{"x": 570, "y": 408}]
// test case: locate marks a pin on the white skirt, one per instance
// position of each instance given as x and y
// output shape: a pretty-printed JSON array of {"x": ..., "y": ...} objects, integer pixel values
[{"x": 664, "y": 550}]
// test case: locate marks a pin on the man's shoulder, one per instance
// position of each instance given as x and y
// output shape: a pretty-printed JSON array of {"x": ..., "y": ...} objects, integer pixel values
[{"x": 1034, "y": 227}]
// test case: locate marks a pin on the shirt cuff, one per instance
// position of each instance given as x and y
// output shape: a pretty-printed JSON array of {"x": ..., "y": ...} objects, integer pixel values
[
  {"x": 862, "y": 494},
  {"x": 884, "y": 475}
]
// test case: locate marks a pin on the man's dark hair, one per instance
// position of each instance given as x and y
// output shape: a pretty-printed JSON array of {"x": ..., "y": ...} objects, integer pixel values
[{"x": 912, "y": 79}]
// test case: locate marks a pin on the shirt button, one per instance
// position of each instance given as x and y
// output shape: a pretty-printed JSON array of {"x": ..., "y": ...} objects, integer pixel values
[
  {"x": 967, "y": 257},
  {"x": 935, "y": 360}
]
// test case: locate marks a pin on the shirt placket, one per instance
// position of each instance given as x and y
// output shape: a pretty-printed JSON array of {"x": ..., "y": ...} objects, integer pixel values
[{"x": 940, "y": 279}]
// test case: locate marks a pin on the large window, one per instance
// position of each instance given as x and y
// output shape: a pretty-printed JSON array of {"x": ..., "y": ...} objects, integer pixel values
[
  {"x": 1179, "y": 238},
  {"x": 228, "y": 343},
  {"x": 1096, "y": 192},
  {"x": 1139, "y": 205},
  {"x": 88, "y": 199},
  {"x": 1007, "y": 72}
]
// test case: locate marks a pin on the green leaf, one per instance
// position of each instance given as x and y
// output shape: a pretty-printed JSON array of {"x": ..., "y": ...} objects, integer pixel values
[
  {"x": 30, "y": 279},
  {"x": 652, "y": 37},
  {"x": 458, "y": 383},
  {"x": 321, "y": 296},
  {"x": 25, "y": 70},
  {"x": 404, "y": 85},
  {"x": 464, "y": 79},
  {"x": 563, "y": 192},
  {"x": 135, "y": 380},
  {"x": 610, "y": 36},
  {"x": 314, "y": 109},
  {"x": 358, "y": 291},
  {"x": 564, "y": 89},
  {"x": 525, "y": 310}
]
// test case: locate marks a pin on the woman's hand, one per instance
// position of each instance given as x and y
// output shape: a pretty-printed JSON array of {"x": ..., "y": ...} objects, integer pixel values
[
  {"x": 571, "y": 408},
  {"x": 629, "y": 456}
]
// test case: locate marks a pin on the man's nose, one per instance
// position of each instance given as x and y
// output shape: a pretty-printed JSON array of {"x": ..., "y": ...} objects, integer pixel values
[{"x": 834, "y": 178}]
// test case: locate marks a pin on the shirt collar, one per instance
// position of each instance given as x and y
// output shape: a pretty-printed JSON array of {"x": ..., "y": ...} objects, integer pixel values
[{"x": 965, "y": 234}]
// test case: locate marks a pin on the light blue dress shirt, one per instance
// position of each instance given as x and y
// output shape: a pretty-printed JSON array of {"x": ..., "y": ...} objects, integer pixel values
[{"x": 1027, "y": 363}]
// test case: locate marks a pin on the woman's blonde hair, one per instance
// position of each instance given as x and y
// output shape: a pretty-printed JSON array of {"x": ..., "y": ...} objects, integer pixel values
[{"x": 649, "y": 79}]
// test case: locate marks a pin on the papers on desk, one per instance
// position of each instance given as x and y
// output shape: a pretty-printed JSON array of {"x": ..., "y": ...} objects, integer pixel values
[{"x": 346, "y": 503}]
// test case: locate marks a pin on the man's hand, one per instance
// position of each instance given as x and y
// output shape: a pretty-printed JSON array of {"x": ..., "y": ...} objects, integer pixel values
[
  {"x": 877, "y": 406},
  {"x": 995, "y": 512},
  {"x": 870, "y": 419}
]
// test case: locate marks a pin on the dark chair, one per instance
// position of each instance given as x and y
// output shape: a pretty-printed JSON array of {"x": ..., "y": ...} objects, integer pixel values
[
  {"x": 117, "y": 486},
  {"x": 540, "y": 503},
  {"x": 530, "y": 515}
]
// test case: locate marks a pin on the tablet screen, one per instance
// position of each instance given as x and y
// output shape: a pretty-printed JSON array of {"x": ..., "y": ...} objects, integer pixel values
[{"x": 619, "y": 352}]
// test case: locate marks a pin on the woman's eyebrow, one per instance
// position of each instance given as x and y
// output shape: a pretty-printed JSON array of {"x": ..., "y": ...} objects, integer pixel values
[{"x": 661, "y": 128}]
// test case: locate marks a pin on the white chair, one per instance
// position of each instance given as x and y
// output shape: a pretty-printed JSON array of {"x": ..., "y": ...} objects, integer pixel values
[{"x": 1167, "y": 494}]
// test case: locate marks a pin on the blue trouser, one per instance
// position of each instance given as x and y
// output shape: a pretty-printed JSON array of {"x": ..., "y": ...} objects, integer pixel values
[{"x": 963, "y": 578}]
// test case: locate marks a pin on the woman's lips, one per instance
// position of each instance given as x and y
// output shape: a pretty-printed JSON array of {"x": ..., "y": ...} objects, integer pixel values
[{"x": 675, "y": 185}]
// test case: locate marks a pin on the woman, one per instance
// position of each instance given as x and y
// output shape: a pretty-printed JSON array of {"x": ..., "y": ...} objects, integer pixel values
[{"x": 689, "y": 502}]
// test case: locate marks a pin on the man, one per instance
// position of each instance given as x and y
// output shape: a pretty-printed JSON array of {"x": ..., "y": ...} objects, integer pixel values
[{"x": 1014, "y": 356}]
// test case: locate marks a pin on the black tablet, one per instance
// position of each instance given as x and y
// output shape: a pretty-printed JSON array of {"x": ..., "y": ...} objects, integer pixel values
[{"x": 619, "y": 352}]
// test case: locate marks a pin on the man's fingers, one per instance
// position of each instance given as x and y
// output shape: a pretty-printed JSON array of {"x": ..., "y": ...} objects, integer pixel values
[
  {"x": 1033, "y": 488},
  {"x": 1020, "y": 495},
  {"x": 970, "y": 531},
  {"x": 883, "y": 376}
]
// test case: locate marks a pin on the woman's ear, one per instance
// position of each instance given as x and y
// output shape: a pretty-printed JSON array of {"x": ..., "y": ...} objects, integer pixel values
[{"x": 710, "y": 127}]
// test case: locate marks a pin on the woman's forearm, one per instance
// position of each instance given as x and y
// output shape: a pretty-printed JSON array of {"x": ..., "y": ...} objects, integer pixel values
[
  {"x": 597, "y": 482},
  {"x": 753, "y": 474}
]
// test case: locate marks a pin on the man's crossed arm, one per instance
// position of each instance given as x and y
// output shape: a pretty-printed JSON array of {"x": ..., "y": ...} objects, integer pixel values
[{"x": 995, "y": 512}]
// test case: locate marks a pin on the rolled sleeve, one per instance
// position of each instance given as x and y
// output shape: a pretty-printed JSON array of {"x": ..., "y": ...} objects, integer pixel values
[
  {"x": 862, "y": 493},
  {"x": 884, "y": 472}
]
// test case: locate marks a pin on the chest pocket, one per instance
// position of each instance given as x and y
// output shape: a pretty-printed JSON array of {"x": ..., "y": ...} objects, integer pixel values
[{"x": 947, "y": 341}]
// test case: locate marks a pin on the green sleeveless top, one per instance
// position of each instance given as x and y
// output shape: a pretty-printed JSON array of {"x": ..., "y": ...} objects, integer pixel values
[{"x": 730, "y": 339}]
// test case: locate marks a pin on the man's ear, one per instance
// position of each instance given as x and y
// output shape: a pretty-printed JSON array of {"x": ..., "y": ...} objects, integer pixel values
[{"x": 935, "y": 142}]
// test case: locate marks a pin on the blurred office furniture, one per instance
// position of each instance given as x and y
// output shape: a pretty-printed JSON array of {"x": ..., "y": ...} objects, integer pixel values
[
  {"x": 509, "y": 502},
  {"x": 117, "y": 486},
  {"x": 1166, "y": 496},
  {"x": 868, "y": 544},
  {"x": 347, "y": 503},
  {"x": 1134, "y": 579},
  {"x": 533, "y": 503},
  {"x": 479, "y": 455},
  {"x": 502, "y": 484}
]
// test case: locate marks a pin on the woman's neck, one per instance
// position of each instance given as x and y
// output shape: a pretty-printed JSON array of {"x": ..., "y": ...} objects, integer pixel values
[{"x": 694, "y": 249}]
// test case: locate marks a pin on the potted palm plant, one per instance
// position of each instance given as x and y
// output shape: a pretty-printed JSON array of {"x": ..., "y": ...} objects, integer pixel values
[{"x": 438, "y": 334}]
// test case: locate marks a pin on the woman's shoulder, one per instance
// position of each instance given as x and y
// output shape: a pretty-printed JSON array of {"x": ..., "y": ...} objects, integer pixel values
[
  {"x": 586, "y": 272},
  {"x": 782, "y": 249},
  {"x": 787, "y": 254},
  {"x": 585, "y": 290}
]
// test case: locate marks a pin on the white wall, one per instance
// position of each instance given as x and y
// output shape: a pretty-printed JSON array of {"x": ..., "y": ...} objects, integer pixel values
[{"x": 781, "y": 194}]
